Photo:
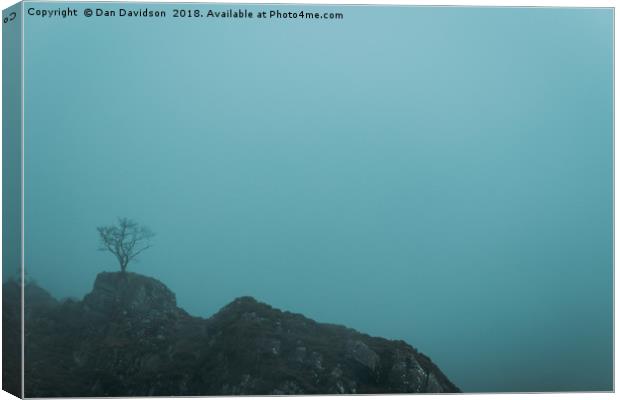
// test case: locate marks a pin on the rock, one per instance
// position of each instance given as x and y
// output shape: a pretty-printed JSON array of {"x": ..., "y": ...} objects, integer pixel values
[
  {"x": 133, "y": 293},
  {"x": 361, "y": 353},
  {"x": 128, "y": 337}
]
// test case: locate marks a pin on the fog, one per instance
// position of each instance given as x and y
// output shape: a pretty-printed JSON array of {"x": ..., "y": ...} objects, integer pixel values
[{"x": 437, "y": 175}]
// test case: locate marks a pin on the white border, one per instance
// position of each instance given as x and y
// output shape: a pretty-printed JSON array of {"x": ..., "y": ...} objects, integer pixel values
[{"x": 488, "y": 3}]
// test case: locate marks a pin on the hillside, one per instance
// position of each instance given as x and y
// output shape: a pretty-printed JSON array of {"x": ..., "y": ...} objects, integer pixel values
[{"x": 128, "y": 337}]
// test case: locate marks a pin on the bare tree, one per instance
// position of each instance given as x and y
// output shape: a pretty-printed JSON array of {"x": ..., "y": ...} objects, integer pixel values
[{"x": 125, "y": 240}]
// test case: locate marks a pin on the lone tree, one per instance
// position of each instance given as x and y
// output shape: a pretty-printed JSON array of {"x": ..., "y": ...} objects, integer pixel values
[{"x": 125, "y": 240}]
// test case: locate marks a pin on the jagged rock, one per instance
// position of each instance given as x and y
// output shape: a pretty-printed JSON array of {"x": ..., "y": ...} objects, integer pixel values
[{"x": 129, "y": 338}]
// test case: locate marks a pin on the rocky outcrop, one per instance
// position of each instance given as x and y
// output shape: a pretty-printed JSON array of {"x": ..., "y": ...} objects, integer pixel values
[
  {"x": 128, "y": 338},
  {"x": 130, "y": 294}
]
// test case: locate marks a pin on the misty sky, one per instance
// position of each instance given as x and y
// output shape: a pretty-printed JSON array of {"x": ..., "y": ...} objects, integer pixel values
[{"x": 437, "y": 175}]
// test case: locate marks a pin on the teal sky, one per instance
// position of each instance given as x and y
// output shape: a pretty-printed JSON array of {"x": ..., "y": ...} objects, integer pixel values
[{"x": 437, "y": 175}]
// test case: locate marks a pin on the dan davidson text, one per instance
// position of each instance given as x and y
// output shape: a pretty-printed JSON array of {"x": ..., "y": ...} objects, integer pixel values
[{"x": 122, "y": 12}]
